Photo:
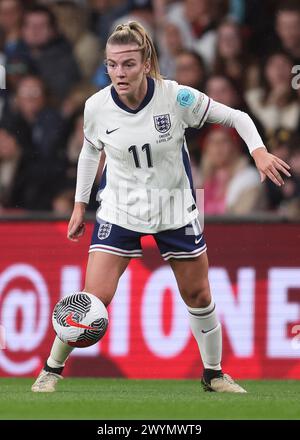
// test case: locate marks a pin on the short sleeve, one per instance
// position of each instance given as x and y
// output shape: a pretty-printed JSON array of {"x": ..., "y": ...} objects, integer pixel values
[
  {"x": 90, "y": 129},
  {"x": 191, "y": 106}
]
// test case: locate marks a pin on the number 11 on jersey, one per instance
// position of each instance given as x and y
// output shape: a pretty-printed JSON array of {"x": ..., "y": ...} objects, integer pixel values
[{"x": 146, "y": 147}]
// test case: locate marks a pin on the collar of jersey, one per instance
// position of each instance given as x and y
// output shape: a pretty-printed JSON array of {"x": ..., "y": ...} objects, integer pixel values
[{"x": 146, "y": 100}]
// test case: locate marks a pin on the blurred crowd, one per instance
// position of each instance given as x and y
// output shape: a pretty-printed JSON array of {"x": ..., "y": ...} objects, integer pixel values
[{"x": 245, "y": 54}]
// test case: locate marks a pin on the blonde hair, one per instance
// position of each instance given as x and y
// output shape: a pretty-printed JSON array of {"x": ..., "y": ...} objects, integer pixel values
[{"x": 134, "y": 33}]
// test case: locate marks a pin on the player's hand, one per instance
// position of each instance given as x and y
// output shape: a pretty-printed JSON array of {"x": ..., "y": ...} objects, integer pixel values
[
  {"x": 76, "y": 227},
  {"x": 270, "y": 166}
]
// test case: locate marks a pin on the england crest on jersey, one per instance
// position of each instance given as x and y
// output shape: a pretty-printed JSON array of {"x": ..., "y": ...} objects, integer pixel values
[
  {"x": 104, "y": 230},
  {"x": 162, "y": 123}
]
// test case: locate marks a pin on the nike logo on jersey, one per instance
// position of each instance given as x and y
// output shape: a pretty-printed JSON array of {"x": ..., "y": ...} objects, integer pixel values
[
  {"x": 111, "y": 131},
  {"x": 71, "y": 323},
  {"x": 198, "y": 241}
]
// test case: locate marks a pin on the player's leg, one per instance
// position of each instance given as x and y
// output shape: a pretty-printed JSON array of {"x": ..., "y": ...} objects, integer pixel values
[
  {"x": 192, "y": 279},
  {"x": 102, "y": 275},
  {"x": 185, "y": 249},
  {"x": 111, "y": 249}
]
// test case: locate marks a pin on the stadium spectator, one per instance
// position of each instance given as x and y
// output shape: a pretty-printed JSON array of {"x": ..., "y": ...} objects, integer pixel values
[
  {"x": 63, "y": 200},
  {"x": 275, "y": 103},
  {"x": 10, "y": 153},
  {"x": 286, "y": 200},
  {"x": 190, "y": 69},
  {"x": 39, "y": 131},
  {"x": 230, "y": 184},
  {"x": 170, "y": 43},
  {"x": 17, "y": 67},
  {"x": 74, "y": 146},
  {"x": 288, "y": 28},
  {"x": 141, "y": 10},
  {"x": 259, "y": 25},
  {"x": 72, "y": 23},
  {"x": 232, "y": 58},
  {"x": 2, "y": 104},
  {"x": 195, "y": 19},
  {"x": 237, "y": 10},
  {"x": 223, "y": 89},
  {"x": 16, "y": 63},
  {"x": 292, "y": 192},
  {"x": 62, "y": 203},
  {"x": 11, "y": 13},
  {"x": 103, "y": 14},
  {"x": 76, "y": 98},
  {"x": 50, "y": 52}
]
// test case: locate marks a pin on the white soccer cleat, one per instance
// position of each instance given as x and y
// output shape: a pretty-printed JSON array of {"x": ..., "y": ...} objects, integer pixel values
[
  {"x": 223, "y": 384},
  {"x": 46, "y": 382}
]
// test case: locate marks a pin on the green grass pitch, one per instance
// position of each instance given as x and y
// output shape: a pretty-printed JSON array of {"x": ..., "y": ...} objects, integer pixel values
[{"x": 108, "y": 399}]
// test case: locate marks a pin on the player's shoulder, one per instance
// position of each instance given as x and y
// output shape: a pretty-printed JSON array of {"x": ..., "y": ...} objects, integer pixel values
[
  {"x": 181, "y": 95},
  {"x": 166, "y": 86},
  {"x": 172, "y": 85},
  {"x": 98, "y": 99}
]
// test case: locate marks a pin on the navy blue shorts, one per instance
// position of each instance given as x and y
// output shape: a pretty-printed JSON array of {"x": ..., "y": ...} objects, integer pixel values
[{"x": 185, "y": 242}]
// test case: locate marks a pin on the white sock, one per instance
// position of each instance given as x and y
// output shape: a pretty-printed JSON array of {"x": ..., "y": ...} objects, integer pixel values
[
  {"x": 59, "y": 354},
  {"x": 207, "y": 331}
]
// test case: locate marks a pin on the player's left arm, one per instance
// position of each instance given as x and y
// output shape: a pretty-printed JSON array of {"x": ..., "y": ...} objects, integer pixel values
[{"x": 267, "y": 164}]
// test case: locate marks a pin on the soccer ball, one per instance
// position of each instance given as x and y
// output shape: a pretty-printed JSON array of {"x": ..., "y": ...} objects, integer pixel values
[{"x": 80, "y": 319}]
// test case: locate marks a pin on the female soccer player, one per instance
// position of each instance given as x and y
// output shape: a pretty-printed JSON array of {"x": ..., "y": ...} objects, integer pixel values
[{"x": 146, "y": 188}]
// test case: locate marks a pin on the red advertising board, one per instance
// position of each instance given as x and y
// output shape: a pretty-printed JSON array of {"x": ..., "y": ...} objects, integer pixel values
[{"x": 255, "y": 280}]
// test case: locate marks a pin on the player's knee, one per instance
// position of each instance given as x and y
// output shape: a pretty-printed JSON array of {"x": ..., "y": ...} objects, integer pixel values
[
  {"x": 198, "y": 297},
  {"x": 105, "y": 297}
]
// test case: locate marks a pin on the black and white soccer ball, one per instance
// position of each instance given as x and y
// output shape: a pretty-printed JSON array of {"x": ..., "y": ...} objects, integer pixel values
[{"x": 80, "y": 319}]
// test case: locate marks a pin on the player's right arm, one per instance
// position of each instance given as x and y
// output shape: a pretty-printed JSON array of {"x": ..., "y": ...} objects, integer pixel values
[
  {"x": 76, "y": 227},
  {"x": 86, "y": 172}
]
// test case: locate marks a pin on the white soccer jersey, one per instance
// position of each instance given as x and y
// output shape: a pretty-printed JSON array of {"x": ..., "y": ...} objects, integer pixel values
[{"x": 146, "y": 184}]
